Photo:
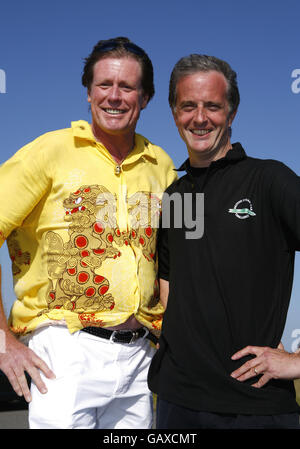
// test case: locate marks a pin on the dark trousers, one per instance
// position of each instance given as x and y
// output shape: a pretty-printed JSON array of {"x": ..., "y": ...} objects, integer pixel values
[{"x": 172, "y": 416}]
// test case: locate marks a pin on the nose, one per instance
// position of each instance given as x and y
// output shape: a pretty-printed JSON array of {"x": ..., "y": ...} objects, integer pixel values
[
  {"x": 200, "y": 115},
  {"x": 114, "y": 94}
]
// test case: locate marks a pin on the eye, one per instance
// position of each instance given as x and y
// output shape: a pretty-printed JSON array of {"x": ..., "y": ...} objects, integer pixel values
[
  {"x": 187, "y": 107},
  {"x": 213, "y": 107},
  {"x": 126, "y": 88},
  {"x": 104, "y": 85}
]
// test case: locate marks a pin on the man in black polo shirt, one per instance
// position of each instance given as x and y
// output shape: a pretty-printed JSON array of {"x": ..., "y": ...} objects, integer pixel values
[{"x": 229, "y": 286}]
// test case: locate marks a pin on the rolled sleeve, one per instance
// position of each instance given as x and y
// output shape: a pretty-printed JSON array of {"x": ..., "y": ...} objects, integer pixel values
[{"x": 22, "y": 185}]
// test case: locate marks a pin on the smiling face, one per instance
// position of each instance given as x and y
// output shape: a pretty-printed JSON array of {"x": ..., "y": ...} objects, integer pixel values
[
  {"x": 116, "y": 97},
  {"x": 202, "y": 116}
]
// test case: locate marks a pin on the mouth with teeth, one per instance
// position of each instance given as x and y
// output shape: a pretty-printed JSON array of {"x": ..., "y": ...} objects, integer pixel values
[
  {"x": 201, "y": 132},
  {"x": 112, "y": 111}
]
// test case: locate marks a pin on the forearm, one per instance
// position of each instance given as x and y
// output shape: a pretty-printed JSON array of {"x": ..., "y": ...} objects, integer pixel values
[{"x": 3, "y": 320}]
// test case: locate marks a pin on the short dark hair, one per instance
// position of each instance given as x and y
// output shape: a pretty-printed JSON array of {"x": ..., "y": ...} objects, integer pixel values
[
  {"x": 119, "y": 47},
  {"x": 203, "y": 63}
]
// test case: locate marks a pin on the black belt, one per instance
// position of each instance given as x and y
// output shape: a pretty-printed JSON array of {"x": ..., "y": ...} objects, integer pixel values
[{"x": 121, "y": 336}]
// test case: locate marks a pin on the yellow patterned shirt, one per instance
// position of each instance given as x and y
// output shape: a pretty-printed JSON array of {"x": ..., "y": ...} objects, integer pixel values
[{"x": 81, "y": 230}]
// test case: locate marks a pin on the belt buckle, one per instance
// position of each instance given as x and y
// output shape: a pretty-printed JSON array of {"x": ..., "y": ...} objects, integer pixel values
[{"x": 135, "y": 336}]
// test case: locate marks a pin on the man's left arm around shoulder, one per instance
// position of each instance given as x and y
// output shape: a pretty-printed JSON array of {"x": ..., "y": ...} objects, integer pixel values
[{"x": 269, "y": 363}]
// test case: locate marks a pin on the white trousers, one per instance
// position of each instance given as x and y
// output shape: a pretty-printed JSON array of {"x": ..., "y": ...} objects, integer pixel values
[{"x": 99, "y": 384}]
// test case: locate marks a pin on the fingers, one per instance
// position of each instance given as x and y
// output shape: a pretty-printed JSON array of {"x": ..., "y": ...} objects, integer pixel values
[
  {"x": 35, "y": 368},
  {"x": 268, "y": 362},
  {"x": 248, "y": 369},
  {"x": 39, "y": 363},
  {"x": 34, "y": 372},
  {"x": 19, "y": 383},
  {"x": 254, "y": 350},
  {"x": 252, "y": 368},
  {"x": 12, "y": 377},
  {"x": 23, "y": 389},
  {"x": 16, "y": 364},
  {"x": 263, "y": 380}
]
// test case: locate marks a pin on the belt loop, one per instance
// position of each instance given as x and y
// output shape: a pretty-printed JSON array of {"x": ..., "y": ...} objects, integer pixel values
[{"x": 111, "y": 338}]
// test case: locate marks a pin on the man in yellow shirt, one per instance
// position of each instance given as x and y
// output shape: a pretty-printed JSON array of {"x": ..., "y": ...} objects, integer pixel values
[{"x": 80, "y": 210}]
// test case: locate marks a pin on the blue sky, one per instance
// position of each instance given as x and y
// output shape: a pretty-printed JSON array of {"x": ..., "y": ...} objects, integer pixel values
[{"x": 42, "y": 46}]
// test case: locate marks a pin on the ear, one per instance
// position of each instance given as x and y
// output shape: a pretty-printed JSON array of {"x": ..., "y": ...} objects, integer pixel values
[
  {"x": 88, "y": 96},
  {"x": 231, "y": 117},
  {"x": 174, "y": 115},
  {"x": 144, "y": 101}
]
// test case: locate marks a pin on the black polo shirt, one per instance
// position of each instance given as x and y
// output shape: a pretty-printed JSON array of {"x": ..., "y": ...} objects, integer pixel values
[{"x": 231, "y": 287}]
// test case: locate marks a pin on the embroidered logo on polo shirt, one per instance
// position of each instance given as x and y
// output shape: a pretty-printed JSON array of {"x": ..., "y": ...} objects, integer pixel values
[{"x": 243, "y": 209}]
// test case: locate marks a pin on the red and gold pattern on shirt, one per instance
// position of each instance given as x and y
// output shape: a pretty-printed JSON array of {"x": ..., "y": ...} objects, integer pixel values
[
  {"x": 17, "y": 256},
  {"x": 18, "y": 330},
  {"x": 74, "y": 266}
]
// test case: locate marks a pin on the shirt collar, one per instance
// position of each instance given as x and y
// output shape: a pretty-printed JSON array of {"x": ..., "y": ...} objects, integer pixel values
[
  {"x": 82, "y": 130},
  {"x": 236, "y": 153},
  {"x": 142, "y": 148}
]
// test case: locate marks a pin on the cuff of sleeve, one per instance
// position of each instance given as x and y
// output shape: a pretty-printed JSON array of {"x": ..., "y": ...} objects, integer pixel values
[{"x": 164, "y": 276}]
